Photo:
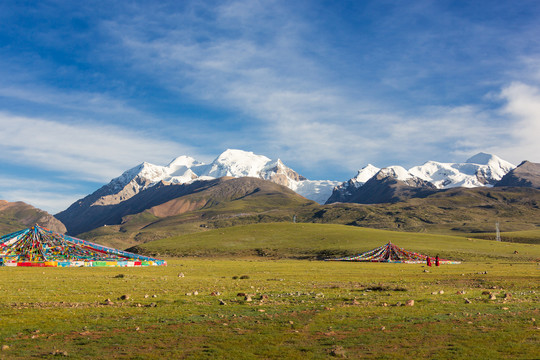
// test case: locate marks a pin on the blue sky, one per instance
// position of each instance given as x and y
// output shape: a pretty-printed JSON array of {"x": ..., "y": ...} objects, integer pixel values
[{"x": 90, "y": 89}]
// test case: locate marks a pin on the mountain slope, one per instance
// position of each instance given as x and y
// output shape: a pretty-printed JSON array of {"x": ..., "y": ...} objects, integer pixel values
[
  {"x": 480, "y": 170},
  {"x": 86, "y": 215},
  {"x": 185, "y": 170},
  {"x": 166, "y": 208},
  {"x": 455, "y": 210},
  {"x": 344, "y": 191},
  {"x": 389, "y": 185},
  {"x": 527, "y": 174},
  {"x": 19, "y": 215}
]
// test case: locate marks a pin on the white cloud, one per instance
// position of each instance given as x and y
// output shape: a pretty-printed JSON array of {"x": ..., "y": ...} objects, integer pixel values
[
  {"x": 81, "y": 150},
  {"x": 44, "y": 194},
  {"x": 79, "y": 101},
  {"x": 522, "y": 105},
  {"x": 298, "y": 110}
]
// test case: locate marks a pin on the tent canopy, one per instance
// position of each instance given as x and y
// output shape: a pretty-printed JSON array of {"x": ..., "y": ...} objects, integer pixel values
[
  {"x": 37, "y": 246},
  {"x": 393, "y": 254}
]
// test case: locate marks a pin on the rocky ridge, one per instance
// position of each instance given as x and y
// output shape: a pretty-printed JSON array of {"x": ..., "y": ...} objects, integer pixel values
[{"x": 480, "y": 170}]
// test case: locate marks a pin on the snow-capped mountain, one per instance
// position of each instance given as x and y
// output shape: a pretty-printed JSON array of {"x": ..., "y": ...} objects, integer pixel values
[
  {"x": 234, "y": 163},
  {"x": 480, "y": 170},
  {"x": 344, "y": 190}
]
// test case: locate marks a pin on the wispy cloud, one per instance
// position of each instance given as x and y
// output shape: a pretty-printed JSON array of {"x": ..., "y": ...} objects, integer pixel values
[
  {"x": 523, "y": 105},
  {"x": 327, "y": 89},
  {"x": 83, "y": 150},
  {"x": 50, "y": 196},
  {"x": 277, "y": 77}
]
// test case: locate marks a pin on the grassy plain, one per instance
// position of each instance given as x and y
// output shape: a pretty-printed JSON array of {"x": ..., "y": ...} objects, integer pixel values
[
  {"x": 305, "y": 240},
  {"x": 309, "y": 309}
]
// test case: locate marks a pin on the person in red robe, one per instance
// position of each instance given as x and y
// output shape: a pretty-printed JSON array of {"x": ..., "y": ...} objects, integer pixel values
[
  {"x": 428, "y": 261},
  {"x": 437, "y": 260}
]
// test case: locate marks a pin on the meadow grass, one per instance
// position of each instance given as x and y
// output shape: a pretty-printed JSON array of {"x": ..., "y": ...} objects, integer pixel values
[
  {"x": 305, "y": 240},
  {"x": 300, "y": 309}
]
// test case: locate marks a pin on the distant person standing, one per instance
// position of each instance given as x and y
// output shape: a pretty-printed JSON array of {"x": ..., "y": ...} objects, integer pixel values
[
  {"x": 437, "y": 260},
  {"x": 428, "y": 261}
]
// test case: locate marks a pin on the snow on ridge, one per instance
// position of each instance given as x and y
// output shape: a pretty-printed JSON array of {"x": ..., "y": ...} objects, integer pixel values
[
  {"x": 316, "y": 190},
  {"x": 364, "y": 174},
  {"x": 480, "y": 170},
  {"x": 397, "y": 172},
  {"x": 237, "y": 163},
  {"x": 182, "y": 162}
]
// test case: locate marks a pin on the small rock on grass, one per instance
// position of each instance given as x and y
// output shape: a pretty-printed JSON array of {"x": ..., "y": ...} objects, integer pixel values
[
  {"x": 467, "y": 301},
  {"x": 409, "y": 303},
  {"x": 181, "y": 275},
  {"x": 221, "y": 302},
  {"x": 59, "y": 353},
  {"x": 5, "y": 347},
  {"x": 338, "y": 351}
]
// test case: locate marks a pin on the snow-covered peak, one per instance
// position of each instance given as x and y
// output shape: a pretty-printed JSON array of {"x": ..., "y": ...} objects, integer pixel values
[
  {"x": 396, "y": 172},
  {"x": 231, "y": 156},
  {"x": 237, "y": 163},
  {"x": 183, "y": 161},
  {"x": 364, "y": 174},
  {"x": 491, "y": 160},
  {"x": 480, "y": 170},
  {"x": 144, "y": 171},
  {"x": 482, "y": 159}
]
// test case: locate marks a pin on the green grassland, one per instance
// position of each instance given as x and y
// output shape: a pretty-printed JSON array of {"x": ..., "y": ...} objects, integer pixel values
[
  {"x": 454, "y": 211},
  {"x": 460, "y": 212},
  {"x": 319, "y": 241},
  {"x": 525, "y": 237},
  {"x": 300, "y": 309},
  {"x": 233, "y": 201}
]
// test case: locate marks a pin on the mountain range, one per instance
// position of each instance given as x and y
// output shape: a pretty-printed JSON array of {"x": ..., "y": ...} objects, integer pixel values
[
  {"x": 480, "y": 170},
  {"x": 146, "y": 185},
  {"x": 150, "y": 201}
]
